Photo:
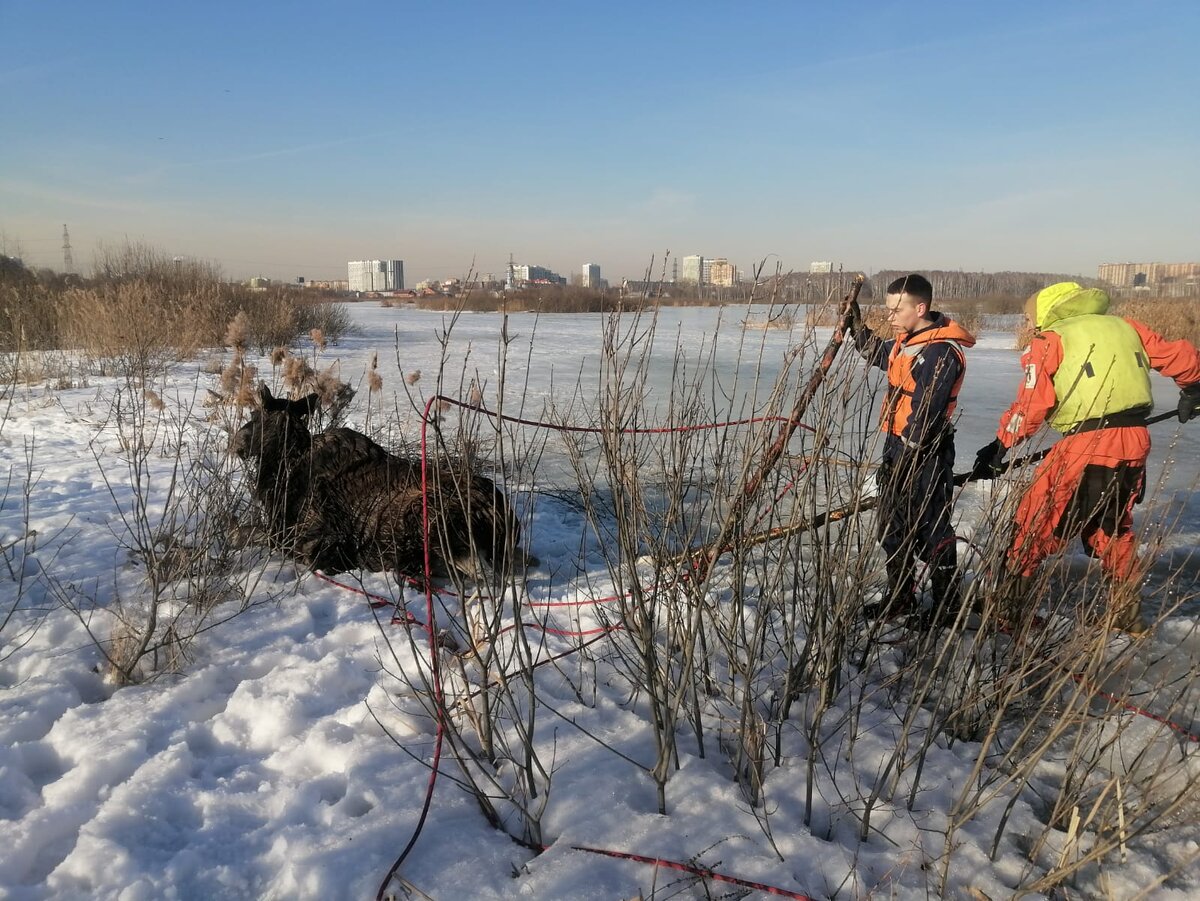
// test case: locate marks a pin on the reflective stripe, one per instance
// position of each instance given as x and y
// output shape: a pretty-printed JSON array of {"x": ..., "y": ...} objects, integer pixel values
[
  {"x": 912, "y": 350},
  {"x": 897, "y": 403}
]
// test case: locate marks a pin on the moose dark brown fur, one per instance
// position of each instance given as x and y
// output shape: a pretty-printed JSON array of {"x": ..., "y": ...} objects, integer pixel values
[{"x": 338, "y": 501}]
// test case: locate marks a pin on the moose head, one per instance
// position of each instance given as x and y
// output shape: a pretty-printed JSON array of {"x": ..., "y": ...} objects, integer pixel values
[{"x": 276, "y": 429}]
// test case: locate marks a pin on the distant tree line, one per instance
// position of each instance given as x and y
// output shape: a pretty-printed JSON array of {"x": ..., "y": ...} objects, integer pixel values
[
  {"x": 958, "y": 285},
  {"x": 948, "y": 284}
]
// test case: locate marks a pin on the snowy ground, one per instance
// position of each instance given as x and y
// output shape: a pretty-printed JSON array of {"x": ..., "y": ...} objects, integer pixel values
[{"x": 262, "y": 769}]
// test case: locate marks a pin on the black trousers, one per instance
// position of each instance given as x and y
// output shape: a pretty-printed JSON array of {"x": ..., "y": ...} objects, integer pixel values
[{"x": 916, "y": 491}]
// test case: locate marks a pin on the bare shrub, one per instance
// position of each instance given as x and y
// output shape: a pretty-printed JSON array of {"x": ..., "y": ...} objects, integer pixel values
[
  {"x": 24, "y": 554},
  {"x": 175, "y": 503},
  {"x": 272, "y": 317},
  {"x": 988, "y": 304},
  {"x": 755, "y": 648},
  {"x": 486, "y": 696},
  {"x": 134, "y": 260},
  {"x": 332, "y": 319},
  {"x": 29, "y": 314},
  {"x": 126, "y": 327},
  {"x": 141, "y": 307},
  {"x": 970, "y": 319},
  {"x": 56, "y": 369},
  {"x": 824, "y": 315},
  {"x": 1173, "y": 318}
]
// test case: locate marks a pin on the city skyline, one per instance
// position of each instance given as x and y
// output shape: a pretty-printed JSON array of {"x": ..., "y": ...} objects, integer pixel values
[{"x": 1028, "y": 137}]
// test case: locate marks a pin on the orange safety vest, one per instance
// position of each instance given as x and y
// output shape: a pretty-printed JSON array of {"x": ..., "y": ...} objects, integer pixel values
[{"x": 898, "y": 402}]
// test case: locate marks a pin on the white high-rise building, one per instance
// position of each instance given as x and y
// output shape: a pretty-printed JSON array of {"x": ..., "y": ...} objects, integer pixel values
[
  {"x": 591, "y": 276},
  {"x": 693, "y": 270},
  {"x": 376, "y": 275},
  {"x": 525, "y": 275}
]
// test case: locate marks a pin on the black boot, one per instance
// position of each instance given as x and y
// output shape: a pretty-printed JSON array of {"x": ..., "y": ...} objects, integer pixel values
[
  {"x": 945, "y": 588},
  {"x": 901, "y": 595}
]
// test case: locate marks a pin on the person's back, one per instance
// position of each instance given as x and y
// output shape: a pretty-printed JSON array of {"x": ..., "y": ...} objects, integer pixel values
[
  {"x": 1102, "y": 368},
  {"x": 1087, "y": 375}
]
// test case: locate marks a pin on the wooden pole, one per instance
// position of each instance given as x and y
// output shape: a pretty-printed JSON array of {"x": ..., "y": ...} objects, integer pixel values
[{"x": 770, "y": 459}]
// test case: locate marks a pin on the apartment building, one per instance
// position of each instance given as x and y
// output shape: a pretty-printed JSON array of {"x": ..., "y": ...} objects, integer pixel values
[{"x": 376, "y": 275}]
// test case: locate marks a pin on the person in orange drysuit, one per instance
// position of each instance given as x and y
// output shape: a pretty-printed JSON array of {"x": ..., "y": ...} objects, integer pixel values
[
  {"x": 1087, "y": 374},
  {"x": 925, "y": 365}
]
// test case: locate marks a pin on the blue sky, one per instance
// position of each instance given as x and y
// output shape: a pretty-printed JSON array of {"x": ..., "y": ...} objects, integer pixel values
[{"x": 287, "y": 138}]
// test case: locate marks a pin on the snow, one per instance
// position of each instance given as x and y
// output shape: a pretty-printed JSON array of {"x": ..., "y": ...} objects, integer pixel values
[{"x": 267, "y": 763}]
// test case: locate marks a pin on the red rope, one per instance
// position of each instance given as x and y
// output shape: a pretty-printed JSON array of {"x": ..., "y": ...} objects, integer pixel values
[
  {"x": 435, "y": 670},
  {"x": 1113, "y": 699},
  {"x": 436, "y": 673},
  {"x": 1133, "y": 708},
  {"x": 660, "y": 430},
  {"x": 590, "y": 602},
  {"x": 429, "y": 592},
  {"x": 705, "y": 872},
  {"x": 377, "y": 600},
  {"x": 563, "y": 632}
]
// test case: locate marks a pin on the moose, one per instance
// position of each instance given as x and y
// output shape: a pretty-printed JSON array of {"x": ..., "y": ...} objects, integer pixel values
[{"x": 337, "y": 501}]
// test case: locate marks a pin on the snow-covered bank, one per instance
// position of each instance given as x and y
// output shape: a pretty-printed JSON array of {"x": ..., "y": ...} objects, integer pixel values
[{"x": 265, "y": 767}]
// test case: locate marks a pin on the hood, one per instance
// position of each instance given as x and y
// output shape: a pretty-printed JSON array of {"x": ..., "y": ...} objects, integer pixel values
[
  {"x": 943, "y": 329},
  {"x": 1067, "y": 299}
]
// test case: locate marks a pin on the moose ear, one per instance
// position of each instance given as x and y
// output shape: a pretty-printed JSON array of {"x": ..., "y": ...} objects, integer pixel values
[
  {"x": 268, "y": 402},
  {"x": 306, "y": 406}
]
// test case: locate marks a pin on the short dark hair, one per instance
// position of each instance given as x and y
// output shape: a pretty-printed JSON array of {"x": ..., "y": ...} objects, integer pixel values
[{"x": 913, "y": 285}]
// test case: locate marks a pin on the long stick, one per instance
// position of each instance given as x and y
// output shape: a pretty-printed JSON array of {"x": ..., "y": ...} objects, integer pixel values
[
  {"x": 870, "y": 503},
  {"x": 771, "y": 457},
  {"x": 775, "y": 451},
  {"x": 963, "y": 477}
]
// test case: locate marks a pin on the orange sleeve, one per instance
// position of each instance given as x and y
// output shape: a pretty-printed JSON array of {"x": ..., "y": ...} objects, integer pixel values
[
  {"x": 1035, "y": 398},
  {"x": 1178, "y": 360}
]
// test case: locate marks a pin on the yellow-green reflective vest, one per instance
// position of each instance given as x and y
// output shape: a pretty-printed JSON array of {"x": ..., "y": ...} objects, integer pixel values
[{"x": 1104, "y": 370}]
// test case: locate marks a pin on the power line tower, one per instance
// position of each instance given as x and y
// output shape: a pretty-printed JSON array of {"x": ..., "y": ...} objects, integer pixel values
[{"x": 68, "y": 260}]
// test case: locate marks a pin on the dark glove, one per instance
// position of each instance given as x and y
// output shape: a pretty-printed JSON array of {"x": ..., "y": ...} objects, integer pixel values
[
  {"x": 853, "y": 320},
  {"x": 1189, "y": 402},
  {"x": 989, "y": 461}
]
